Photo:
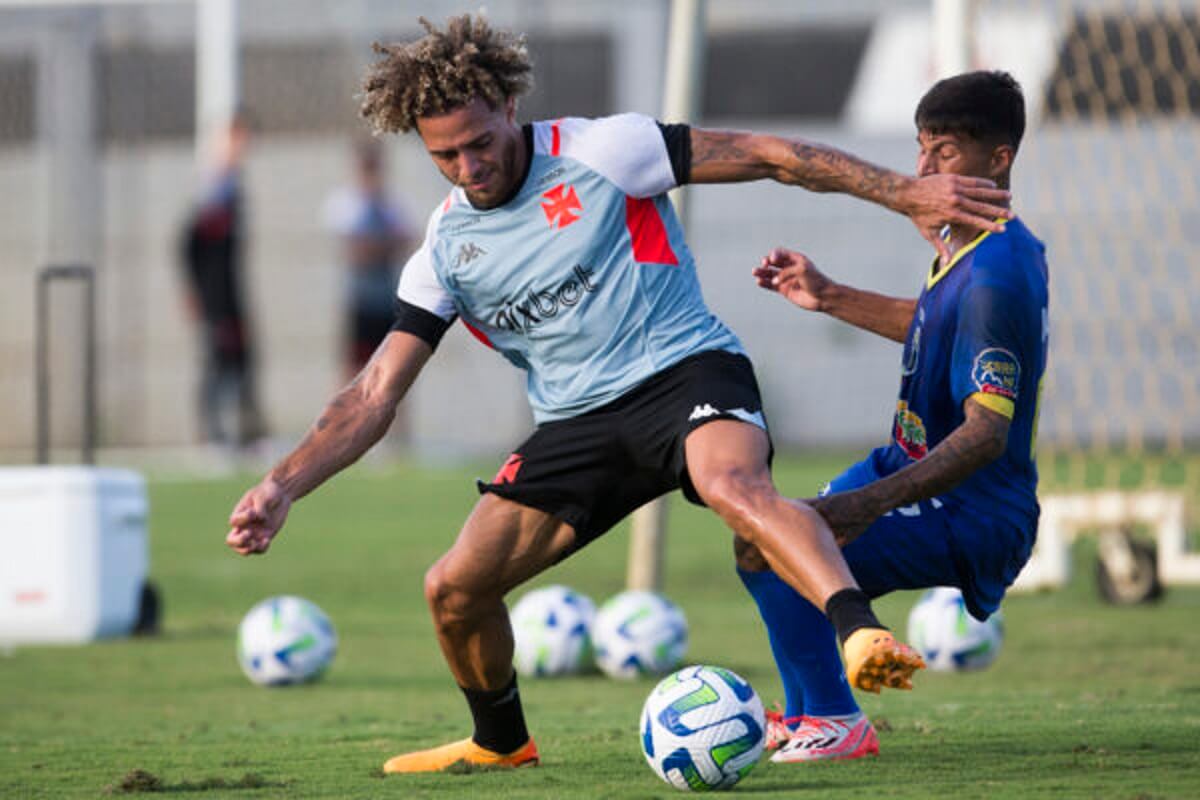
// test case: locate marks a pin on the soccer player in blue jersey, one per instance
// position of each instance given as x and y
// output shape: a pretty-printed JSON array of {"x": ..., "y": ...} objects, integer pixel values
[
  {"x": 951, "y": 500},
  {"x": 558, "y": 248}
]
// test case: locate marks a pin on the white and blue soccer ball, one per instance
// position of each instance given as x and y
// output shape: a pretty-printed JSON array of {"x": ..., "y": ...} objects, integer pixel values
[
  {"x": 284, "y": 640},
  {"x": 948, "y": 637},
  {"x": 552, "y": 632},
  {"x": 639, "y": 633},
  {"x": 703, "y": 728}
]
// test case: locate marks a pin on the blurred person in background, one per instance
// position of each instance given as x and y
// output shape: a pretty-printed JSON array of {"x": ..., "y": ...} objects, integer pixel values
[
  {"x": 213, "y": 245},
  {"x": 558, "y": 247},
  {"x": 374, "y": 234}
]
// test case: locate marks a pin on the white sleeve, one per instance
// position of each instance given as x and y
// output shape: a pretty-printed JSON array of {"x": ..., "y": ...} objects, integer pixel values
[
  {"x": 420, "y": 287},
  {"x": 419, "y": 284},
  {"x": 627, "y": 149}
]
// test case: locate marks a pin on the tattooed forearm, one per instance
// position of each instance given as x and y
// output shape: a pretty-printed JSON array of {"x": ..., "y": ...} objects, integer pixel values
[
  {"x": 827, "y": 169},
  {"x": 980, "y": 440},
  {"x": 717, "y": 146},
  {"x": 726, "y": 156}
]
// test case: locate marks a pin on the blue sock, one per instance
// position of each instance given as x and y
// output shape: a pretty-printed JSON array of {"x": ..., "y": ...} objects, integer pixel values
[{"x": 804, "y": 646}]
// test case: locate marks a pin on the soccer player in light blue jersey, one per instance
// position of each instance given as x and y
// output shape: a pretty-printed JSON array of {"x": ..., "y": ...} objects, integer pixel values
[
  {"x": 558, "y": 248},
  {"x": 951, "y": 500}
]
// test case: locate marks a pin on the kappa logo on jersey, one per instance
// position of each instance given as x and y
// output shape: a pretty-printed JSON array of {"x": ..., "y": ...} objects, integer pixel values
[
  {"x": 700, "y": 412},
  {"x": 538, "y": 306},
  {"x": 468, "y": 253},
  {"x": 561, "y": 206},
  {"x": 997, "y": 372},
  {"x": 909, "y": 432},
  {"x": 508, "y": 472}
]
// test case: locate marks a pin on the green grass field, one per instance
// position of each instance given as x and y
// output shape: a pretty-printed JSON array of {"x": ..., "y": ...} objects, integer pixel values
[{"x": 1085, "y": 701}]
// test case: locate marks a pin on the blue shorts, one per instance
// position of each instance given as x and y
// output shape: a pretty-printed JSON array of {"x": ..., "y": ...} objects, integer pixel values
[{"x": 932, "y": 543}]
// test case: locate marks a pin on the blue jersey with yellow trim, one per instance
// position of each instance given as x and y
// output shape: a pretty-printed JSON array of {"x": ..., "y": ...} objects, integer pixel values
[{"x": 980, "y": 330}]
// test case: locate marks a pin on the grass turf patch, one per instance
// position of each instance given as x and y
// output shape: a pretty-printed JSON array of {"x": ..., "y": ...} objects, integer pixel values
[{"x": 1085, "y": 700}]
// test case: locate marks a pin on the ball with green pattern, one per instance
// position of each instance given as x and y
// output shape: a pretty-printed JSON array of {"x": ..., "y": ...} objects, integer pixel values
[
  {"x": 702, "y": 728},
  {"x": 552, "y": 632},
  {"x": 948, "y": 637},
  {"x": 285, "y": 640},
  {"x": 639, "y": 633}
]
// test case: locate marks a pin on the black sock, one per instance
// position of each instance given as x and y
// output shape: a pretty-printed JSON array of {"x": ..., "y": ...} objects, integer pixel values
[
  {"x": 849, "y": 610},
  {"x": 499, "y": 720}
]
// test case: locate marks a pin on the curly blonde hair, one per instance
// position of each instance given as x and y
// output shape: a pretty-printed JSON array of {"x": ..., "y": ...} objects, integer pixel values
[{"x": 444, "y": 70}]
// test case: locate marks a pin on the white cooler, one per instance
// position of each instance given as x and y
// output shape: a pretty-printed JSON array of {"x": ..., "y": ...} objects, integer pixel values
[{"x": 73, "y": 553}]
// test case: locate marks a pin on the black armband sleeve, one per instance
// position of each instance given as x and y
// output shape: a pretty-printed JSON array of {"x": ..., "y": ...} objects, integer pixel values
[
  {"x": 678, "y": 138},
  {"x": 425, "y": 325}
]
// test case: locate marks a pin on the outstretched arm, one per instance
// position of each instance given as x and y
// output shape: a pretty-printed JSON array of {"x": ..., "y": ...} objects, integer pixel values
[
  {"x": 798, "y": 280},
  {"x": 977, "y": 442},
  {"x": 355, "y": 419},
  {"x": 930, "y": 202}
]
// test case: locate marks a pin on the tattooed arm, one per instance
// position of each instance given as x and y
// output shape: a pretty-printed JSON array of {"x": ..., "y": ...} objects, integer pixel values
[
  {"x": 930, "y": 202},
  {"x": 355, "y": 419},
  {"x": 980, "y": 440}
]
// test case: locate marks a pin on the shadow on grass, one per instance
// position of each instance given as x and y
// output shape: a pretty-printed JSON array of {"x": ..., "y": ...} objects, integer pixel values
[{"x": 138, "y": 781}]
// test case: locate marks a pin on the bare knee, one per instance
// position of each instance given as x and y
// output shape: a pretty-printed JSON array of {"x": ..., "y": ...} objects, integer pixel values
[
  {"x": 739, "y": 499},
  {"x": 452, "y": 600}
]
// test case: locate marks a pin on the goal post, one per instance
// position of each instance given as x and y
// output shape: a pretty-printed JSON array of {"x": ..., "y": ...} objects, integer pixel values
[{"x": 681, "y": 102}]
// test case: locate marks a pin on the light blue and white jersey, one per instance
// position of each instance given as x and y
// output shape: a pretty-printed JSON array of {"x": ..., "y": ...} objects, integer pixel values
[{"x": 583, "y": 278}]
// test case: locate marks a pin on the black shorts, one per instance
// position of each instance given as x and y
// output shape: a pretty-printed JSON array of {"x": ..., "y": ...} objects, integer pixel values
[{"x": 593, "y": 470}]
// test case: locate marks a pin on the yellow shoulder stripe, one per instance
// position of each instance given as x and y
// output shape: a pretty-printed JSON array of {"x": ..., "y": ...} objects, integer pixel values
[{"x": 994, "y": 402}]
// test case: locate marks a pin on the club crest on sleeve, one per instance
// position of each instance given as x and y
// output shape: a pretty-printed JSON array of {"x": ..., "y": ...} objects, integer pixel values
[{"x": 997, "y": 372}]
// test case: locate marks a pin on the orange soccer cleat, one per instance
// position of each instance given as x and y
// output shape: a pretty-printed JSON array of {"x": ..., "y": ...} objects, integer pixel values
[
  {"x": 464, "y": 755},
  {"x": 875, "y": 659}
]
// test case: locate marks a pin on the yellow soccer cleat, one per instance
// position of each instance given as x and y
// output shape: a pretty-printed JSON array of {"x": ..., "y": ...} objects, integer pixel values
[
  {"x": 464, "y": 755},
  {"x": 875, "y": 659}
]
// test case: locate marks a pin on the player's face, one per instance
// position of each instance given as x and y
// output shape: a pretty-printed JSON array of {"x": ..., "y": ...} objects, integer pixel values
[
  {"x": 478, "y": 148},
  {"x": 956, "y": 154}
]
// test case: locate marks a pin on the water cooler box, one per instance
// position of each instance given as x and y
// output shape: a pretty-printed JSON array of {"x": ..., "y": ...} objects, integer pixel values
[{"x": 73, "y": 553}]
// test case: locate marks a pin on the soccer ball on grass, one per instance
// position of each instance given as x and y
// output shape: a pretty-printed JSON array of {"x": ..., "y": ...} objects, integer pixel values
[
  {"x": 702, "y": 728},
  {"x": 639, "y": 633},
  {"x": 285, "y": 640},
  {"x": 948, "y": 637},
  {"x": 552, "y": 632}
]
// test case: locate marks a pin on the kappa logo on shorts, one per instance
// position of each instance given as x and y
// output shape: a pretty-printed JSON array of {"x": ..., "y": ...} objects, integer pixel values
[
  {"x": 508, "y": 472},
  {"x": 707, "y": 410}
]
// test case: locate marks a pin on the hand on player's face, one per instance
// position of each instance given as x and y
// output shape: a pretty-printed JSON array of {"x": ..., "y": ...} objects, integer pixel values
[
  {"x": 793, "y": 276},
  {"x": 256, "y": 519},
  {"x": 954, "y": 187},
  {"x": 938, "y": 200}
]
